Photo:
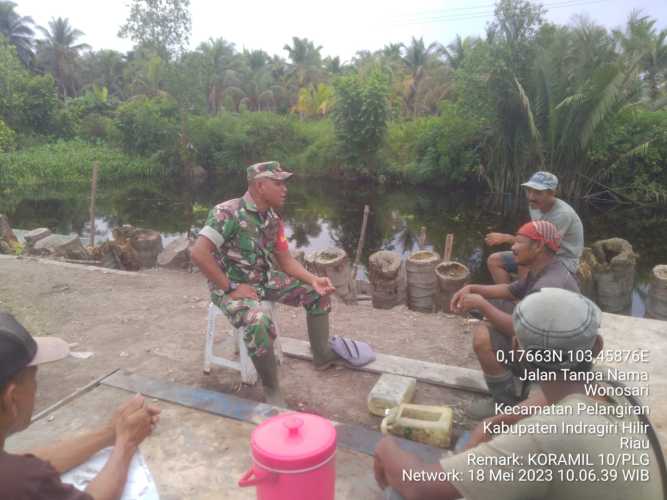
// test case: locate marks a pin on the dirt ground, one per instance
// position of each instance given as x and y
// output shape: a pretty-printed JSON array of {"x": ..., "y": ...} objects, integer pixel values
[{"x": 154, "y": 323}]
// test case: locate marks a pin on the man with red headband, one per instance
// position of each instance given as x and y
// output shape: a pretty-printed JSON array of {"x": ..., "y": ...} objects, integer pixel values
[{"x": 535, "y": 247}]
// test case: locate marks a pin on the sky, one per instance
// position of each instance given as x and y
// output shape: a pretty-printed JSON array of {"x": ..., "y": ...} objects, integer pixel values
[{"x": 340, "y": 27}]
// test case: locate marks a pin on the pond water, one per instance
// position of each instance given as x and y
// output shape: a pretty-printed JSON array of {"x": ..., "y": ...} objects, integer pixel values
[{"x": 322, "y": 213}]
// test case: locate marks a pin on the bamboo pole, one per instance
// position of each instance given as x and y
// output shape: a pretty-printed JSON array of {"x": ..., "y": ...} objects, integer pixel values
[
  {"x": 360, "y": 246},
  {"x": 449, "y": 246},
  {"x": 93, "y": 193}
]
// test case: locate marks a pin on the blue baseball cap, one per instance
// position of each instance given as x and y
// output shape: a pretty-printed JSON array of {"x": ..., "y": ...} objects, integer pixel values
[{"x": 542, "y": 181}]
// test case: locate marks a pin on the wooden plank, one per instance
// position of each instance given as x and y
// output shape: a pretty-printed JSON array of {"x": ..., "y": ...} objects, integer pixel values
[
  {"x": 353, "y": 437},
  {"x": 60, "y": 263},
  {"x": 432, "y": 373}
]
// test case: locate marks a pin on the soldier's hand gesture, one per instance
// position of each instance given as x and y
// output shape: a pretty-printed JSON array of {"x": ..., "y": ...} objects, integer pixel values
[
  {"x": 244, "y": 291},
  {"x": 323, "y": 285}
]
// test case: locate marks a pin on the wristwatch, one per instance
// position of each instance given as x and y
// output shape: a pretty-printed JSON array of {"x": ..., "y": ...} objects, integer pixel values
[{"x": 232, "y": 286}]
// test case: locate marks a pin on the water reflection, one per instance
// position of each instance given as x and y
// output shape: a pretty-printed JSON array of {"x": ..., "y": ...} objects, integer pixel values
[{"x": 320, "y": 214}]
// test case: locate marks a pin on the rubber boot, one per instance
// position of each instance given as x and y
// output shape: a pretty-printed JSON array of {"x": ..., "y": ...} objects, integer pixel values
[
  {"x": 267, "y": 369},
  {"x": 318, "y": 334},
  {"x": 504, "y": 392}
]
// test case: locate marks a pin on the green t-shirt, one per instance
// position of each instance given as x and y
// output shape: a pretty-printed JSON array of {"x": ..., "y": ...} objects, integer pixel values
[{"x": 575, "y": 456}]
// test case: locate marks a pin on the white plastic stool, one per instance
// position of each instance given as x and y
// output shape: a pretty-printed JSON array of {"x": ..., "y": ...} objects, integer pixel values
[{"x": 244, "y": 365}]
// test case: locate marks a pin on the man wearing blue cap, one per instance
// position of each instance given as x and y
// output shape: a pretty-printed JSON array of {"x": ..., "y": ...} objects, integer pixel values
[
  {"x": 566, "y": 443},
  {"x": 543, "y": 205}
]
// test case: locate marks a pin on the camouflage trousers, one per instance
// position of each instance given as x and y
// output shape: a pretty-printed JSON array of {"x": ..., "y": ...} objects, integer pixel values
[{"x": 258, "y": 327}]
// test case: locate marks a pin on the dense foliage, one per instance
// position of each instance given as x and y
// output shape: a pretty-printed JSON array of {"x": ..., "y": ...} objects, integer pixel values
[
  {"x": 579, "y": 100},
  {"x": 69, "y": 161}
]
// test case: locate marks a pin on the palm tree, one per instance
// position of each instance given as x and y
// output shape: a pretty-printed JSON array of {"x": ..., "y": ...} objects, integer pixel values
[
  {"x": 457, "y": 50},
  {"x": 392, "y": 51},
  {"x": 306, "y": 60},
  {"x": 104, "y": 68},
  {"x": 220, "y": 62},
  {"x": 58, "y": 52},
  {"x": 315, "y": 101},
  {"x": 640, "y": 40},
  {"x": 18, "y": 31},
  {"x": 416, "y": 57},
  {"x": 333, "y": 65}
]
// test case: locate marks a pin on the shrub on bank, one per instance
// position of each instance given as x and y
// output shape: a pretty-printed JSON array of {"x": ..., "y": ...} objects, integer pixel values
[
  {"x": 639, "y": 173},
  {"x": 71, "y": 161},
  {"x": 228, "y": 141},
  {"x": 440, "y": 150},
  {"x": 148, "y": 125},
  {"x": 7, "y": 138}
]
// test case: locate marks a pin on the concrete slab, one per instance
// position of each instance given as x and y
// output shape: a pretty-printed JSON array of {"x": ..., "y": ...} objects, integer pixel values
[
  {"x": 192, "y": 454},
  {"x": 623, "y": 334}
]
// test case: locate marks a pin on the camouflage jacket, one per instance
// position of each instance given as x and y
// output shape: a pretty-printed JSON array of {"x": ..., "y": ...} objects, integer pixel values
[{"x": 245, "y": 240}]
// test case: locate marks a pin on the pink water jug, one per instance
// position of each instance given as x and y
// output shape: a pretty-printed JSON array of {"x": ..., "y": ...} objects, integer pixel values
[{"x": 293, "y": 458}]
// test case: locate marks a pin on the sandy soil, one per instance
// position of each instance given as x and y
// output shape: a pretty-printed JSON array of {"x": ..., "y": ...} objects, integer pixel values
[{"x": 154, "y": 322}]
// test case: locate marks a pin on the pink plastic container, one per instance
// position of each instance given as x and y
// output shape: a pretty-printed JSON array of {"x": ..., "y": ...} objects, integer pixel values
[{"x": 293, "y": 458}]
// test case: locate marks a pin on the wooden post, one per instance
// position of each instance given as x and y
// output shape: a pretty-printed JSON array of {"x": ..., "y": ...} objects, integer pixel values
[
  {"x": 449, "y": 246},
  {"x": 360, "y": 246},
  {"x": 93, "y": 192}
]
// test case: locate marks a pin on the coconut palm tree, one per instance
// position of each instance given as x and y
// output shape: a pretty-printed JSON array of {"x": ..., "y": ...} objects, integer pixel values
[
  {"x": 220, "y": 67},
  {"x": 641, "y": 40},
  {"x": 306, "y": 61},
  {"x": 18, "y": 31},
  {"x": 416, "y": 58},
  {"x": 104, "y": 68},
  {"x": 457, "y": 50},
  {"x": 58, "y": 52}
]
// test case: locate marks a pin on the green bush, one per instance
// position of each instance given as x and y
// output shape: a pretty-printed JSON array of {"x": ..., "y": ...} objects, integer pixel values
[
  {"x": 270, "y": 136},
  {"x": 218, "y": 141},
  {"x": 320, "y": 156},
  {"x": 636, "y": 173},
  {"x": 149, "y": 125},
  {"x": 436, "y": 150},
  {"x": 360, "y": 115},
  {"x": 229, "y": 141},
  {"x": 28, "y": 103},
  {"x": 399, "y": 153},
  {"x": 97, "y": 127},
  {"x": 7, "y": 138},
  {"x": 71, "y": 161}
]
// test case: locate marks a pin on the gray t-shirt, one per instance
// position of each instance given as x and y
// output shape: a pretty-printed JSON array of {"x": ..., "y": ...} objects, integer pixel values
[
  {"x": 554, "y": 275},
  {"x": 570, "y": 228}
]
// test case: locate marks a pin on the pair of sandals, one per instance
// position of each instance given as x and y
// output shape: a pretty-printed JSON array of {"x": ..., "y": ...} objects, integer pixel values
[{"x": 354, "y": 353}]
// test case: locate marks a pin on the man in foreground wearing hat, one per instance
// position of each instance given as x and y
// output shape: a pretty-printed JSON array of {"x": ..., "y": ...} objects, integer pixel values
[
  {"x": 533, "y": 454},
  {"x": 543, "y": 205},
  {"x": 243, "y": 252},
  {"x": 37, "y": 476},
  {"x": 536, "y": 245}
]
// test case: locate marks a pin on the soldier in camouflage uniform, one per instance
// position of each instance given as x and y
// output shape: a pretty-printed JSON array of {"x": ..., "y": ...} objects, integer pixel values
[{"x": 243, "y": 252}]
